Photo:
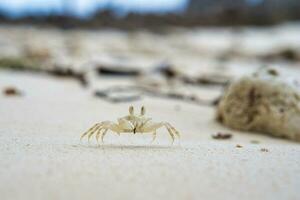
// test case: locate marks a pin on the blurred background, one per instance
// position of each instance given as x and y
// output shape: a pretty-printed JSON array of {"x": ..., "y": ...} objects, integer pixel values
[
  {"x": 150, "y": 42},
  {"x": 97, "y": 13}
]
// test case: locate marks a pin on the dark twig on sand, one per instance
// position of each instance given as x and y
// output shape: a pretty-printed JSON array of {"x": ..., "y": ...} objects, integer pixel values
[
  {"x": 140, "y": 90},
  {"x": 222, "y": 136},
  {"x": 170, "y": 72},
  {"x": 117, "y": 95},
  {"x": 26, "y": 65},
  {"x": 68, "y": 73},
  {"x": 117, "y": 71}
]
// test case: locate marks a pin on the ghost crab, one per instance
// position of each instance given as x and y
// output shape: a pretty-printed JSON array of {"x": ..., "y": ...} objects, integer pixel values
[{"x": 130, "y": 124}]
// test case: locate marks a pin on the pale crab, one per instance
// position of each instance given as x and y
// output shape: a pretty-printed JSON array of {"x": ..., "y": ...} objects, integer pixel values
[{"x": 130, "y": 124}]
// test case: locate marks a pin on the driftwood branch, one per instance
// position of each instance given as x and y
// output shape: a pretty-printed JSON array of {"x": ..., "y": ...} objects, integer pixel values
[{"x": 109, "y": 95}]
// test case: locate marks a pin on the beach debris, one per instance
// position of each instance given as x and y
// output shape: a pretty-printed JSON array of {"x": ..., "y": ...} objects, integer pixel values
[
  {"x": 171, "y": 72},
  {"x": 119, "y": 94},
  {"x": 238, "y": 146},
  {"x": 254, "y": 142},
  {"x": 267, "y": 102},
  {"x": 12, "y": 91},
  {"x": 167, "y": 70},
  {"x": 131, "y": 123},
  {"x": 264, "y": 150},
  {"x": 216, "y": 101},
  {"x": 288, "y": 54},
  {"x": 36, "y": 52},
  {"x": 110, "y": 70},
  {"x": 222, "y": 136},
  {"x": 16, "y": 63},
  {"x": 208, "y": 79},
  {"x": 68, "y": 73},
  {"x": 24, "y": 64}
]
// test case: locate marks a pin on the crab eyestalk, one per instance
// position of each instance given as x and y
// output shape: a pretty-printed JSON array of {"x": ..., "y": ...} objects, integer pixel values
[
  {"x": 143, "y": 111},
  {"x": 131, "y": 110}
]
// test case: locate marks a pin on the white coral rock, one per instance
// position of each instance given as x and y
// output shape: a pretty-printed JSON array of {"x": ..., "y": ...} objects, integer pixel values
[{"x": 266, "y": 102}]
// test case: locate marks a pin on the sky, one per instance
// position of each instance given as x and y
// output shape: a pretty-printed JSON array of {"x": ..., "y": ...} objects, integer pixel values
[{"x": 85, "y": 8}]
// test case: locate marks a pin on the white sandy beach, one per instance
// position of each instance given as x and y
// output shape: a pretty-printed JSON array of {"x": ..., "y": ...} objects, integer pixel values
[{"x": 41, "y": 156}]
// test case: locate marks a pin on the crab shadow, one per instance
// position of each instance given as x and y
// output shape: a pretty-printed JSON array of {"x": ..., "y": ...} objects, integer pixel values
[{"x": 121, "y": 146}]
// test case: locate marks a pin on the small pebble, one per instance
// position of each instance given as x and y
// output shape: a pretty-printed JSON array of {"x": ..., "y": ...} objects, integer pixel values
[
  {"x": 222, "y": 136},
  {"x": 264, "y": 150},
  {"x": 11, "y": 91}
]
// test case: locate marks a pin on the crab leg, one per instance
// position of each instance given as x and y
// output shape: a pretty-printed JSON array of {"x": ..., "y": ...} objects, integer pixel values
[
  {"x": 93, "y": 128},
  {"x": 98, "y": 135},
  {"x": 103, "y": 134},
  {"x": 99, "y": 126},
  {"x": 173, "y": 130},
  {"x": 153, "y": 136},
  {"x": 170, "y": 132},
  {"x": 96, "y": 130},
  {"x": 107, "y": 125},
  {"x": 150, "y": 126}
]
